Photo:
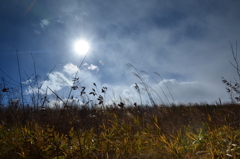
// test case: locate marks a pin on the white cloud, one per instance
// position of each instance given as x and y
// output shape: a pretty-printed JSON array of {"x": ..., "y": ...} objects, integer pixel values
[
  {"x": 70, "y": 69},
  {"x": 93, "y": 67},
  {"x": 44, "y": 23},
  {"x": 60, "y": 103},
  {"x": 56, "y": 82},
  {"x": 187, "y": 91},
  {"x": 182, "y": 92},
  {"x": 27, "y": 81},
  {"x": 59, "y": 80}
]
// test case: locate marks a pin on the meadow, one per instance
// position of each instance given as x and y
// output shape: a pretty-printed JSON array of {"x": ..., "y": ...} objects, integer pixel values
[
  {"x": 100, "y": 131},
  {"x": 178, "y": 131}
]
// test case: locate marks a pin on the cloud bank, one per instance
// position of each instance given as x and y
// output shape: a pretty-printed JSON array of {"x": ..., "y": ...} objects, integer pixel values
[{"x": 164, "y": 91}]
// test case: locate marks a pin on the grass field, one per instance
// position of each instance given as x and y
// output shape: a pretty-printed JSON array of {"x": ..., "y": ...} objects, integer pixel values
[{"x": 179, "y": 131}]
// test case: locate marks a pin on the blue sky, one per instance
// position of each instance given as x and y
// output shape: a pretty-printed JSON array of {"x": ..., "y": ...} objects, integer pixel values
[{"x": 186, "y": 42}]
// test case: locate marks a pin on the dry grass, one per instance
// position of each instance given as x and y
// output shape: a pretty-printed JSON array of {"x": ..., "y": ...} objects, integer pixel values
[{"x": 183, "y": 131}]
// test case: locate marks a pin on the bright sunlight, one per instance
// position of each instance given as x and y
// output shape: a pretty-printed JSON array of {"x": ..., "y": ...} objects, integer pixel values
[{"x": 81, "y": 47}]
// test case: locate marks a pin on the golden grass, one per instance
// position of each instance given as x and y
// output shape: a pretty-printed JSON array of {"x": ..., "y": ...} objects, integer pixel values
[{"x": 193, "y": 131}]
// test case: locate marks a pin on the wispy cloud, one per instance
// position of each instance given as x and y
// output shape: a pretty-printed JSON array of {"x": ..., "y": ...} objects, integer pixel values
[
  {"x": 37, "y": 32},
  {"x": 59, "y": 20},
  {"x": 56, "y": 82},
  {"x": 44, "y": 23}
]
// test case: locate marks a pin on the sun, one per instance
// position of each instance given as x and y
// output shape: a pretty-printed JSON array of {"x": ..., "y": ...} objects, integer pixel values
[{"x": 81, "y": 47}]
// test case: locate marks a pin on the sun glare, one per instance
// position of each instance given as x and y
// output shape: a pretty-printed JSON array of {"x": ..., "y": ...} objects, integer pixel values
[{"x": 81, "y": 47}]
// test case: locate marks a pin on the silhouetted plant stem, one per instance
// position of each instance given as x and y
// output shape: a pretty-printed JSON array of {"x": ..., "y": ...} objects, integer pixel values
[
  {"x": 139, "y": 93},
  {"x": 10, "y": 77},
  {"x": 75, "y": 78},
  {"x": 143, "y": 83},
  {"x": 236, "y": 66},
  {"x": 166, "y": 86},
  {"x": 21, "y": 87},
  {"x": 158, "y": 95},
  {"x": 159, "y": 87},
  {"x": 233, "y": 88},
  {"x": 36, "y": 80}
]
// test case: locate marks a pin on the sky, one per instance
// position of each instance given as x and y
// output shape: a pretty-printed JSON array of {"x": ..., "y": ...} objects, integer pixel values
[{"x": 185, "y": 42}]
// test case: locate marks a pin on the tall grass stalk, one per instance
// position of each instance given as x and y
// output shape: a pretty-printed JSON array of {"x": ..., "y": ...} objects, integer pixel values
[
  {"x": 138, "y": 75},
  {"x": 21, "y": 85},
  {"x": 166, "y": 86},
  {"x": 159, "y": 87}
]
